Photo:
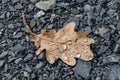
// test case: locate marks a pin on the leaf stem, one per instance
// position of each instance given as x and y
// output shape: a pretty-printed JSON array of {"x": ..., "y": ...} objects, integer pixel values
[{"x": 26, "y": 25}]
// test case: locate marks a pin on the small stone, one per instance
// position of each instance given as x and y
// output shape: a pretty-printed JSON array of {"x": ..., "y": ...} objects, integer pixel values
[
  {"x": 88, "y": 29},
  {"x": 79, "y": 16},
  {"x": 11, "y": 26},
  {"x": 17, "y": 61},
  {"x": 106, "y": 36},
  {"x": 87, "y": 7},
  {"x": 4, "y": 1},
  {"x": 18, "y": 35},
  {"x": 18, "y": 6},
  {"x": 49, "y": 27},
  {"x": 113, "y": 4},
  {"x": 75, "y": 11},
  {"x": 15, "y": 1},
  {"x": 39, "y": 65},
  {"x": 102, "y": 49},
  {"x": 52, "y": 17},
  {"x": 32, "y": 23},
  {"x": 33, "y": 1},
  {"x": 41, "y": 56},
  {"x": 103, "y": 31},
  {"x": 98, "y": 19},
  {"x": 11, "y": 8},
  {"x": 31, "y": 7},
  {"x": 112, "y": 72},
  {"x": 28, "y": 57},
  {"x": 18, "y": 48},
  {"x": 1, "y": 25},
  {"x": 33, "y": 75},
  {"x": 39, "y": 14},
  {"x": 2, "y": 63},
  {"x": 113, "y": 27},
  {"x": 8, "y": 14},
  {"x": 102, "y": 11},
  {"x": 45, "y": 5},
  {"x": 26, "y": 74},
  {"x": 117, "y": 48},
  {"x": 111, "y": 12},
  {"x": 4, "y": 54},
  {"x": 28, "y": 69},
  {"x": 80, "y": 1},
  {"x": 82, "y": 68},
  {"x": 118, "y": 26},
  {"x": 2, "y": 16},
  {"x": 110, "y": 59}
]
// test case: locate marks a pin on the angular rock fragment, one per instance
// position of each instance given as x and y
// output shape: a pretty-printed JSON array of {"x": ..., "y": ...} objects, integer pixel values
[{"x": 46, "y": 5}]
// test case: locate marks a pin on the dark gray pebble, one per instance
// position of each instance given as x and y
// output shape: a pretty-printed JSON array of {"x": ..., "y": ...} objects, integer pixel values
[
  {"x": 4, "y": 1},
  {"x": 113, "y": 72},
  {"x": 110, "y": 59},
  {"x": 18, "y": 6},
  {"x": 33, "y": 1},
  {"x": 28, "y": 57},
  {"x": 107, "y": 36},
  {"x": 50, "y": 26},
  {"x": 113, "y": 4},
  {"x": 15, "y": 1},
  {"x": 118, "y": 26},
  {"x": 42, "y": 56},
  {"x": 102, "y": 49},
  {"x": 2, "y": 55},
  {"x": 88, "y": 29},
  {"x": 11, "y": 8},
  {"x": 87, "y": 7},
  {"x": 111, "y": 12},
  {"x": 82, "y": 68},
  {"x": 80, "y": 1},
  {"x": 17, "y": 47},
  {"x": 39, "y": 65},
  {"x": 28, "y": 69},
  {"x": 1, "y": 25},
  {"x": 18, "y": 35},
  {"x": 117, "y": 48},
  {"x": 31, "y": 7},
  {"x": 75, "y": 11},
  {"x": 102, "y": 11},
  {"x": 11, "y": 26},
  {"x": 8, "y": 14},
  {"x": 17, "y": 61}
]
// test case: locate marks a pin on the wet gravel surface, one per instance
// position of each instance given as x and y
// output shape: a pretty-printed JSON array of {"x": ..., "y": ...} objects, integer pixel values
[{"x": 101, "y": 18}]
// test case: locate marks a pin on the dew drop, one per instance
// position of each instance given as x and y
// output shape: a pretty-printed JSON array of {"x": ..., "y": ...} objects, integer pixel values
[
  {"x": 69, "y": 42},
  {"x": 77, "y": 55},
  {"x": 85, "y": 40},
  {"x": 64, "y": 47}
]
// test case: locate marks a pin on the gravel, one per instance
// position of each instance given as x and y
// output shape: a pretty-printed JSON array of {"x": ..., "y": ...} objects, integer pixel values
[
  {"x": 1, "y": 63},
  {"x": 45, "y": 5},
  {"x": 82, "y": 69},
  {"x": 17, "y": 51}
]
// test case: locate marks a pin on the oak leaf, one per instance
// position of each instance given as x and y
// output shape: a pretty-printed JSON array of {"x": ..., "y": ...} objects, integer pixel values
[{"x": 66, "y": 44}]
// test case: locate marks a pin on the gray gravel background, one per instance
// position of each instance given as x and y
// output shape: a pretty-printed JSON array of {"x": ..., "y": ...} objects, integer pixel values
[{"x": 17, "y": 58}]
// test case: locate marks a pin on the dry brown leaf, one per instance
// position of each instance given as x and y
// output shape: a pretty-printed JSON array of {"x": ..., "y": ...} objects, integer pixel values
[{"x": 66, "y": 44}]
